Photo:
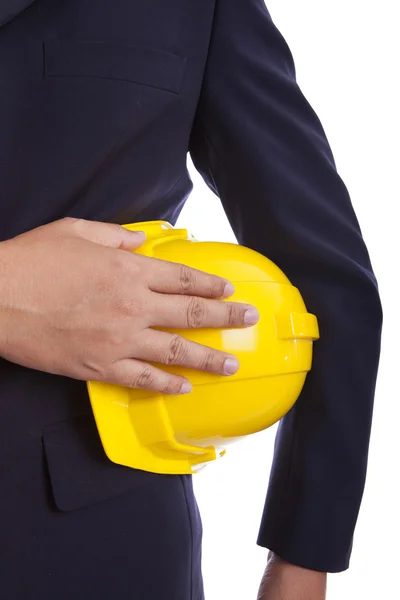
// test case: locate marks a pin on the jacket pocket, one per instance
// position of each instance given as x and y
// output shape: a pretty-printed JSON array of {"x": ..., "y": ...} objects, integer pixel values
[
  {"x": 143, "y": 66},
  {"x": 80, "y": 473}
]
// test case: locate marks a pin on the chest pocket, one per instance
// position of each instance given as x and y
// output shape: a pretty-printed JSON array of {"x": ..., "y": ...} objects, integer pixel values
[
  {"x": 138, "y": 65},
  {"x": 111, "y": 111}
]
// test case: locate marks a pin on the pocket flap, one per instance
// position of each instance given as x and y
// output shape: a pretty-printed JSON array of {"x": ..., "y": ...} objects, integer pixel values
[
  {"x": 80, "y": 472},
  {"x": 145, "y": 66}
]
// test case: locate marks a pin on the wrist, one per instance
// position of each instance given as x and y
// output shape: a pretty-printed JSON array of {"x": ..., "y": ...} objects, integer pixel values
[
  {"x": 282, "y": 578},
  {"x": 4, "y": 288}
]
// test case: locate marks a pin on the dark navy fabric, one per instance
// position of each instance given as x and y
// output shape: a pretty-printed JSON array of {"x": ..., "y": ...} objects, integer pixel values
[{"x": 100, "y": 102}]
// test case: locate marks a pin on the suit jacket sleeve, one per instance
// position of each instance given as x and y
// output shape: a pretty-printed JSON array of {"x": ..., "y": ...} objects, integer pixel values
[{"x": 261, "y": 148}]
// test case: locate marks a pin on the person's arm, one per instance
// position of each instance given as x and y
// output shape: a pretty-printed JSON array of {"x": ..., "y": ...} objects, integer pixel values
[
  {"x": 285, "y": 581},
  {"x": 261, "y": 148},
  {"x": 76, "y": 301}
]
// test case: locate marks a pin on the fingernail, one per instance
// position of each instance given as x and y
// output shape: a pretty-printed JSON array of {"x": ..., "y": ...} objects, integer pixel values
[
  {"x": 231, "y": 366},
  {"x": 229, "y": 290},
  {"x": 251, "y": 316},
  {"x": 186, "y": 387}
]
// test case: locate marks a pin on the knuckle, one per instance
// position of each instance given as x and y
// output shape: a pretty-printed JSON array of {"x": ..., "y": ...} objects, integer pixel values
[
  {"x": 127, "y": 304},
  {"x": 132, "y": 308},
  {"x": 171, "y": 386},
  {"x": 210, "y": 361},
  {"x": 68, "y": 220},
  {"x": 66, "y": 225},
  {"x": 144, "y": 379},
  {"x": 176, "y": 350},
  {"x": 73, "y": 223},
  {"x": 118, "y": 262},
  {"x": 187, "y": 279},
  {"x": 114, "y": 336},
  {"x": 233, "y": 314},
  {"x": 133, "y": 266},
  {"x": 196, "y": 312},
  {"x": 116, "y": 226},
  {"x": 217, "y": 287},
  {"x": 122, "y": 273}
]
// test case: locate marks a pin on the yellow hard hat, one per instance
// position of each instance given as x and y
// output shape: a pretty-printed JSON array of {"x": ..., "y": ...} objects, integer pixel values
[{"x": 178, "y": 434}]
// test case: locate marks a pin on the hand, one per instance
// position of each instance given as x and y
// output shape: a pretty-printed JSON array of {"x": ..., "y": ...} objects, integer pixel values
[
  {"x": 284, "y": 581},
  {"x": 73, "y": 302}
]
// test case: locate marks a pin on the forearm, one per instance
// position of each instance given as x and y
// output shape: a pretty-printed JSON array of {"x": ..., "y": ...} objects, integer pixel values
[
  {"x": 4, "y": 291},
  {"x": 284, "y": 581}
]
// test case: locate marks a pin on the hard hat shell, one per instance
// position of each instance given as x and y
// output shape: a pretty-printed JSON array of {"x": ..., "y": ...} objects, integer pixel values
[{"x": 179, "y": 434}]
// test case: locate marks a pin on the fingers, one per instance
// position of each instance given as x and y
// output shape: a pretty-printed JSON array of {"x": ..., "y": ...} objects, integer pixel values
[
  {"x": 167, "y": 277},
  {"x": 170, "y": 349},
  {"x": 136, "y": 374},
  {"x": 191, "y": 312},
  {"x": 106, "y": 234}
]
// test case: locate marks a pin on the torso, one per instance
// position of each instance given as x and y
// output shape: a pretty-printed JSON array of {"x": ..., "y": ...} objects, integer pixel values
[
  {"x": 96, "y": 106},
  {"x": 96, "y": 109}
]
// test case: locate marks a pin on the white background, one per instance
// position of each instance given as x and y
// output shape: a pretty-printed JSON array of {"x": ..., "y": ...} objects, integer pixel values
[{"x": 347, "y": 59}]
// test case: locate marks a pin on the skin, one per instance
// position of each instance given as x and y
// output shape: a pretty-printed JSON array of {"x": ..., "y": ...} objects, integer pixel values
[
  {"x": 75, "y": 301},
  {"x": 284, "y": 581}
]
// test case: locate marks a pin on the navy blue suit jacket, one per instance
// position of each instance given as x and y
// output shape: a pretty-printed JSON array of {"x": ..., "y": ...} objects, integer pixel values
[{"x": 100, "y": 102}]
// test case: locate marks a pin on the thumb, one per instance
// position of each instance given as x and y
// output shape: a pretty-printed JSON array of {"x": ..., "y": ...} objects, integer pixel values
[{"x": 106, "y": 234}]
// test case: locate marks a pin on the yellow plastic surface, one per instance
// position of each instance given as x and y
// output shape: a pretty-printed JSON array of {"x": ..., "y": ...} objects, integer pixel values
[{"x": 179, "y": 434}]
